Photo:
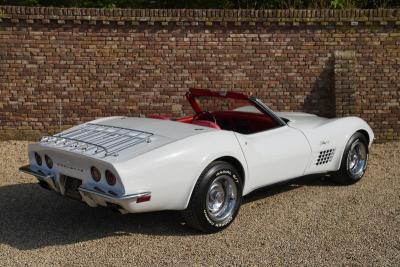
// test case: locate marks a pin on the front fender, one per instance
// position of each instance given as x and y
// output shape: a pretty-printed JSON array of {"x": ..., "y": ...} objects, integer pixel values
[{"x": 334, "y": 134}]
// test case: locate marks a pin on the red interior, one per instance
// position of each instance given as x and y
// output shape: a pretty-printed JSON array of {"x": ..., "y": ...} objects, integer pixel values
[
  {"x": 187, "y": 119},
  {"x": 160, "y": 117},
  {"x": 243, "y": 122},
  {"x": 238, "y": 121}
]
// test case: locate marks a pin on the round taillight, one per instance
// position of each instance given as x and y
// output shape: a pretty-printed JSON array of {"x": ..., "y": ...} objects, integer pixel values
[
  {"x": 38, "y": 159},
  {"x": 110, "y": 177},
  {"x": 95, "y": 174},
  {"x": 49, "y": 161}
]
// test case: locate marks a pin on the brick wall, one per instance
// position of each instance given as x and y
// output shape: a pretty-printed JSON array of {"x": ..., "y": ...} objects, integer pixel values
[{"x": 73, "y": 65}]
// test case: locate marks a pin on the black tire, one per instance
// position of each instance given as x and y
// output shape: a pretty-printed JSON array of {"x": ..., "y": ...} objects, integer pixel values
[
  {"x": 208, "y": 190},
  {"x": 346, "y": 175}
]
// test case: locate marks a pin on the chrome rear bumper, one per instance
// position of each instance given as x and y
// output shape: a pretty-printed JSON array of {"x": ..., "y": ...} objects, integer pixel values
[
  {"x": 111, "y": 197},
  {"x": 92, "y": 197},
  {"x": 48, "y": 179}
]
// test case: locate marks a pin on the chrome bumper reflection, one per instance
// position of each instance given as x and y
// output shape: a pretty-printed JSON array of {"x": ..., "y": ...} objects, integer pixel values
[
  {"x": 112, "y": 198},
  {"x": 49, "y": 179}
]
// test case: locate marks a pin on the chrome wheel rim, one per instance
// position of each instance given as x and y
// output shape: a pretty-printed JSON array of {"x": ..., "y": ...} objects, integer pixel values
[
  {"x": 357, "y": 159},
  {"x": 221, "y": 199}
]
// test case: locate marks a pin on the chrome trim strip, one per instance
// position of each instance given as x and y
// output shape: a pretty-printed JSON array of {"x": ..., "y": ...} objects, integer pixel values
[
  {"x": 40, "y": 175},
  {"x": 111, "y": 197},
  {"x": 265, "y": 109}
]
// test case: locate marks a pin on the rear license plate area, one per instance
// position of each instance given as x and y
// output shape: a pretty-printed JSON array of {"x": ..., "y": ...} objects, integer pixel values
[{"x": 71, "y": 187}]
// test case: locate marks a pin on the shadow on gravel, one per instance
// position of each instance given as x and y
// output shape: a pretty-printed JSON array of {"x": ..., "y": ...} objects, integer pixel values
[
  {"x": 269, "y": 191},
  {"x": 31, "y": 217}
]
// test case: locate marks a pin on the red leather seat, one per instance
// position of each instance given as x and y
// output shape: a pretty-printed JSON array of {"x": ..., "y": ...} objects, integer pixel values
[
  {"x": 160, "y": 117},
  {"x": 206, "y": 124}
]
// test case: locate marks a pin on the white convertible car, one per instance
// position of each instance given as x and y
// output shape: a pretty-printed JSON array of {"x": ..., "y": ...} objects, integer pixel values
[{"x": 201, "y": 165}]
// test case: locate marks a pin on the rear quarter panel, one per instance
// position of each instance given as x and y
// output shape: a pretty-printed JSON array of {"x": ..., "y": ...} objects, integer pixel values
[{"x": 170, "y": 172}]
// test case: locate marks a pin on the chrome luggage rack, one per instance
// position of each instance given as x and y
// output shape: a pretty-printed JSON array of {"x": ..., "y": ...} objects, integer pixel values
[{"x": 98, "y": 138}]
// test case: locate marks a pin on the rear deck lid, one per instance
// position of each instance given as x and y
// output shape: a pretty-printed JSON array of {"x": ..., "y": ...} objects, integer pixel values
[{"x": 121, "y": 137}]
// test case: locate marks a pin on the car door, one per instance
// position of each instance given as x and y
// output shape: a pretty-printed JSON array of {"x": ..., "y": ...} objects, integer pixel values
[{"x": 274, "y": 155}]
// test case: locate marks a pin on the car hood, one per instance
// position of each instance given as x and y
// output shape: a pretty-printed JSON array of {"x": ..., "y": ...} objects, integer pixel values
[{"x": 303, "y": 121}]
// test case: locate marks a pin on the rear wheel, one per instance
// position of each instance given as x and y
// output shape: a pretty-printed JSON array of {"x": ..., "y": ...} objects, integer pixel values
[
  {"x": 216, "y": 198},
  {"x": 354, "y": 160}
]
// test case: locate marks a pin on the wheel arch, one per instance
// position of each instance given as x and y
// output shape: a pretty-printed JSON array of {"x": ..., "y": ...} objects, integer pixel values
[
  {"x": 235, "y": 163},
  {"x": 196, "y": 214},
  {"x": 342, "y": 175},
  {"x": 365, "y": 134}
]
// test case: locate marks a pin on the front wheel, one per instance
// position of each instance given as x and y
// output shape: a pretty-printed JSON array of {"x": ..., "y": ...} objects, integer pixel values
[
  {"x": 216, "y": 198},
  {"x": 354, "y": 160}
]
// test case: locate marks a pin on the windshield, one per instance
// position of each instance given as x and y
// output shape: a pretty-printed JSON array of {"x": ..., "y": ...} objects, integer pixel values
[
  {"x": 211, "y": 104},
  {"x": 231, "y": 111},
  {"x": 203, "y": 100}
]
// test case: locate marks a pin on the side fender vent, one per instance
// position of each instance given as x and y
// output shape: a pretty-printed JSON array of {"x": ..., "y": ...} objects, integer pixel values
[{"x": 325, "y": 156}]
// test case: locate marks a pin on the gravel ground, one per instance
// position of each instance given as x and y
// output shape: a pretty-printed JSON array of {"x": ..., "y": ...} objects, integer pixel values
[{"x": 306, "y": 222}]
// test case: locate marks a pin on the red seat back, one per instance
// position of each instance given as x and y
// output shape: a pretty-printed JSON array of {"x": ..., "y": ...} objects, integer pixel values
[{"x": 160, "y": 117}]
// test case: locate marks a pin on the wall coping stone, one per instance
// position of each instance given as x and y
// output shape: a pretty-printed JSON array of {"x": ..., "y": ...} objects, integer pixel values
[{"x": 201, "y": 17}]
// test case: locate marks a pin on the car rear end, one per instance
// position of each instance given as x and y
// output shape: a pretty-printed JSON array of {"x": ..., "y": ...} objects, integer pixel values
[
  {"x": 80, "y": 164},
  {"x": 98, "y": 162}
]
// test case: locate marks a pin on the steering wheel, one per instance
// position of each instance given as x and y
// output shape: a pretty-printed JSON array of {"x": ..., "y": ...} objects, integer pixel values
[{"x": 205, "y": 115}]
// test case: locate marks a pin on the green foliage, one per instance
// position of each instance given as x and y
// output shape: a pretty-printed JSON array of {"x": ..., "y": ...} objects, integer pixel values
[
  {"x": 337, "y": 4},
  {"x": 235, "y": 4}
]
